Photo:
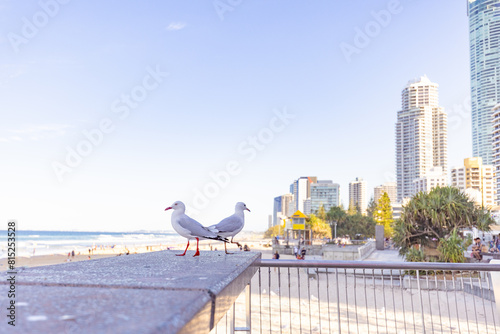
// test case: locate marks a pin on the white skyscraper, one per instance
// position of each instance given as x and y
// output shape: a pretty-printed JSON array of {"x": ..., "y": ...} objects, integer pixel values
[
  {"x": 301, "y": 190},
  {"x": 421, "y": 135},
  {"x": 357, "y": 194},
  {"x": 389, "y": 187}
]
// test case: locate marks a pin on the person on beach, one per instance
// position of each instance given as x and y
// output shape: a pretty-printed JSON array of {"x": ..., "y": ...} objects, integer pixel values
[
  {"x": 295, "y": 251},
  {"x": 476, "y": 249},
  {"x": 276, "y": 256}
]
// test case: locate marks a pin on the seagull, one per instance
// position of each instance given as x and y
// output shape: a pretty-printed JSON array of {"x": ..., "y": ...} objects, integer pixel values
[
  {"x": 232, "y": 225},
  {"x": 190, "y": 228}
]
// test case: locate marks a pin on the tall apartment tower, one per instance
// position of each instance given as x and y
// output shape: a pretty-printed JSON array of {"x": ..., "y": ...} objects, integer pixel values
[
  {"x": 476, "y": 180},
  {"x": 496, "y": 153},
  {"x": 324, "y": 193},
  {"x": 389, "y": 187},
  {"x": 301, "y": 190},
  {"x": 484, "y": 37},
  {"x": 421, "y": 135},
  {"x": 357, "y": 194},
  {"x": 283, "y": 206}
]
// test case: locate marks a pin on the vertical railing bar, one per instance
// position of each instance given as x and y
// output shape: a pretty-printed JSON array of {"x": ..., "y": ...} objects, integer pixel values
[
  {"x": 491, "y": 302},
  {"x": 465, "y": 301},
  {"x": 429, "y": 298},
  {"x": 482, "y": 298},
  {"x": 383, "y": 293},
  {"x": 366, "y": 303},
  {"x": 439, "y": 302},
  {"x": 279, "y": 292},
  {"x": 249, "y": 307},
  {"x": 289, "y": 301},
  {"x": 393, "y": 304},
  {"x": 233, "y": 318},
  {"x": 347, "y": 302},
  {"x": 473, "y": 299},
  {"x": 300, "y": 311},
  {"x": 412, "y": 308},
  {"x": 328, "y": 300},
  {"x": 421, "y": 301},
  {"x": 338, "y": 298},
  {"x": 269, "y": 293},
  {"x": 375, "y": 298},
  {"x": 402, "y": 298},
  {"x": 456, "y": 301},
  {"x": 309, "y": 298},
  {"x": 319, "y": 300},
  {"x": 260, "y": 301},
  {"x": 447, "y": 299},
  {"x": 355, "y": 299}
]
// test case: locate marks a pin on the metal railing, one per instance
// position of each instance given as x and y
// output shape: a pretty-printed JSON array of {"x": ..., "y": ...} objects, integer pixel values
[{"x": 290, "y": 296}]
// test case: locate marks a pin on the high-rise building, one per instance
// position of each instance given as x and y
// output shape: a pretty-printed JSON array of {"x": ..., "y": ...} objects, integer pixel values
[
  {"x": 435, "y": 177},
  {"x": 301, "y": 190},
  {"x": 496, "y": 153},
  {"x": 421, "y": 135},
  {"x": 357, "y": 194},
  {"x": 283, "y": 206},
  {"x": 476, "y": 180},
  {"x": 390, "y": 188},
  {"x": 324, "y": 193},
  {"x": 484, "y": 37}
]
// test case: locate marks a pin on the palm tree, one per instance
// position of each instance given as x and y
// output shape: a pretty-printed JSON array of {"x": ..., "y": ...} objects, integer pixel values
[
  {"x": 428, "y": 217},
  {"x": 336, "y": 215}
]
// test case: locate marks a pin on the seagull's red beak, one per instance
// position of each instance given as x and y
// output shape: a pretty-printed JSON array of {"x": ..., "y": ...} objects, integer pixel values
[
  {"x": 248, "y": 209},
  {"x": 168, "y": 208}
]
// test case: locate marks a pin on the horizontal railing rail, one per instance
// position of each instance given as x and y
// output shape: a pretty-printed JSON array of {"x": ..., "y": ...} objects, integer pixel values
[{"x": 379, "y": 265}]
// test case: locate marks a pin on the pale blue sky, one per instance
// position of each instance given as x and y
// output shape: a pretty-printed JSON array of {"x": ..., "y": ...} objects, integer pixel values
[{"x": 229, "y": 74}]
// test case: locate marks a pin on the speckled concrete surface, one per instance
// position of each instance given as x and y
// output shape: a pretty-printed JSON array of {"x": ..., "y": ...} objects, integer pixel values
[{"x": 154, "y": 292}]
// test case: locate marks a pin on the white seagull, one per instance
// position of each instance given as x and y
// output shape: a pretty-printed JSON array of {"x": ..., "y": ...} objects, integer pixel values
[
  {"x": 232, "y": 225},
  {"x": 190, "y": 228}
]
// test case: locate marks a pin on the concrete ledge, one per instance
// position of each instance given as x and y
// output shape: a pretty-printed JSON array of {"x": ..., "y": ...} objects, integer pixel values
[{"x": 143, "y": 293}]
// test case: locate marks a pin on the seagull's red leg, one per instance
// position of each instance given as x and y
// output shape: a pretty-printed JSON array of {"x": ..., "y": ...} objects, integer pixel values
[
  {"x": 235, "y": 242},
  {"x": 225, "y": 248},
  {"x": 197, "y": 249},
  {"x": 184, "y": 251}
]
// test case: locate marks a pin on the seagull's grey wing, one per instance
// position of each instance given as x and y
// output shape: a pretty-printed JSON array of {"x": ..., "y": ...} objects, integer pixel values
[
  {"x": 229, "y": 224},
  {"x": 195, "y": 228}
]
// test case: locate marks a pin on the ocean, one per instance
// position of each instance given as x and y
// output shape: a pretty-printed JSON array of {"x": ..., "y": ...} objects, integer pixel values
[{"x": 31, "y": 242}]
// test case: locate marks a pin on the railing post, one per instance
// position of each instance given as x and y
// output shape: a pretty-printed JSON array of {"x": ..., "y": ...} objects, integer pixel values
[
  {"x": 248, "y": 313},
  {"x": 495, "y": 278}
]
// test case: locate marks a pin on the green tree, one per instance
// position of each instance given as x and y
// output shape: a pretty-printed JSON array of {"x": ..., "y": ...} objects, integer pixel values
[
  {"x": 319, "y": 228},
  {"x": 273, "y": 231},
  {"x": 383, "y": 214},
  {"x": 322, "y": 213},
  {"x": 372, "y": 205},
  {"x": 336, "y": 215},
  {"x": 452, "y": 248},
  {"x": 352, "y": 223},
  {"x": 357, "y": 225},
  {"x": 430, "y": 217}
]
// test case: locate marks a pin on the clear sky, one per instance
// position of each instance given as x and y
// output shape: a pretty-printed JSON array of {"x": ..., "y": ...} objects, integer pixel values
[{"x": 112, "y": 110}]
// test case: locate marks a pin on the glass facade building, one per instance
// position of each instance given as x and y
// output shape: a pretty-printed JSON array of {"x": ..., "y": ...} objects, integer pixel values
[{"x": 484, "y": 35}]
